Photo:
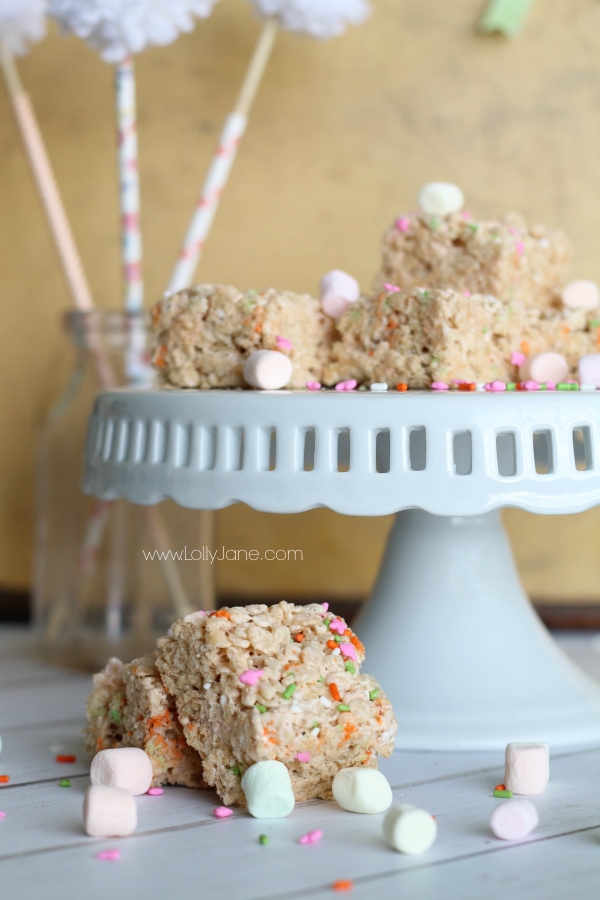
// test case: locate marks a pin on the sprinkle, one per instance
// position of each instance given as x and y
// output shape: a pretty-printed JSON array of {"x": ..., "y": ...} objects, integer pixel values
[
  {"x": 311, "y": 837},
  {"x": 207, "y": 685},
  {"x": 343, "y": 884},
  {"x": 517, "y": 358},
  {"x": 500, "y": 787},
  {"x": 473, "y": 227},
  {"x": 530, "y": 385},
  {"x": 511, "y": 386},
  {"x": 2, "y": 815},
  {"x": 374, "y": 694},
  {"x": 335, "y": 652},
  {"x": 325, "y": 702},
  {"x": 236, "y": 770},
  {"x": 343, "y": 707},
  {"x": 466, "y": 386},
  {"x": 65, "y": 782},
  {"x": 503, "y": 794},
  {"x": 251, "y": 676},
  {"x": 434, "y": 222},
  {"x": 403, "y": 224},
  {"x": 439, "y": 386},
  {"x": 313, "y": 385},
  {"x": 66, "y": 758},
  {"x": 326, "y": 622},
  {"x": 402, "y": 387},
  {"x": 391, "y": 288},
  {"x": 222, "y": 812},
  {"x": 260, "y": 707},
  {"x": 337, "y": 625},
  {"x": 315, "y": 731},
  {"x": 338, "y": 639},
  {"x": 115, "y": 715},
  {"x": 495, "y": 386},
  {"x": 346, "y": 385},
  {"x": 263, "y": 839},
  {"x": 221, "y": 614},
  {"x": 334, "y": 691},
  {"x": 289, "y": 691},
  {"x": 4, "y": 779},
  {"x": 349, "y": 667},
  {"x": 379, "y": 386},
  {"x": 348, "y": 650},
  {"x": 520, "y": 247},
  {"x": 109, "y": 855},
  {"x": 303, "y": 756},
  {"x": 283, "y": 343},
  {"x": 155, "y": 791},
  {"x": 298, "y": 638},
  {"x": 332, "y": 645},
  {"x": 325, "y": 606}
]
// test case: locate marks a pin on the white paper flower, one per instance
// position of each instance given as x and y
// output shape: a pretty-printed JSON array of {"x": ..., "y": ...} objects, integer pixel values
[
  {"x": 319, "y": 18},
  {"x": 22, "y": 21},
  {"x": 118, "y": 28}
]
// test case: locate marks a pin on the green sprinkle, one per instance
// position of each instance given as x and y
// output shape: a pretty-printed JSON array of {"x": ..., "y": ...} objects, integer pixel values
[
  {"x": 434, "y": 222},
  {"x": 343, "y": 707},
  {"x": 472, "y": 226},
  {"x": 503, "y": 794},
  {"x": 263, "y": 839},
  {"x": 504, "y": 16},
  {"x": 349, "y": 667},
  {"x": 65, "y": 782},
  {"x": 511, "y": 386},
  {"x": 115, "y": 715},
  {"x": 374, "y": 694},
  {"x": 260, "y": 707},
  {"x": 289, "y": 691},
  {"x": 235, "y": 770},
  {"x": 322, "y": 678},
  {"x": 595, "y": 323},
  {"x": 326, "y": 622},
  {"x": 485, "y": 330},
  {"x": 315, "y": 724},
  {"x": 563, "y": 387},
  {"x": 338, "y": 638}
]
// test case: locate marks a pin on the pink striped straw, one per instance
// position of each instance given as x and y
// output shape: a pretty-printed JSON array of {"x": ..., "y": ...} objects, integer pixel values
[{"x": 131, "y": 239}]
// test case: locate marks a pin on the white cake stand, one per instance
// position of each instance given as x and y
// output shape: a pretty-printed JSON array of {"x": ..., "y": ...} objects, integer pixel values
[{"x": 448, "y": 630}]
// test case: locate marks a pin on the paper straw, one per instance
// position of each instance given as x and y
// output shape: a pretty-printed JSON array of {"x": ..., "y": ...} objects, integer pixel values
[
  {"x": 218, "y": 174},
  {"x": 131, "y": 240}
]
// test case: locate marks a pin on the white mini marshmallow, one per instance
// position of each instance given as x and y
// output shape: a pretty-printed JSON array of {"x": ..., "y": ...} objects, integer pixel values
[
  {"x": 544, "y": 367},
  {"x": 581, "y": 295},
  {"x": 268, "y": 370},
  {"x": 109, "y": 811},
  {"x": 589, "y": 369},
  {"x": 409, "y": 829},
  {"x": 439, "y": 198},
  {"x": 268, "y": 789},
  {"x": 338, "y": 291},
  {"x": 514, "y": 819},
  {"x": 527, "y": 768},
  {"x": 124, "y": 767},
  {"x": 362, "y": 790}
]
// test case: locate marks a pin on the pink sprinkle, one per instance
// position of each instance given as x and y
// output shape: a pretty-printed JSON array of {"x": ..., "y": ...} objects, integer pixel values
[
  {"x": 313, "y": 385},
  {"x": 311, "y": 837},
  {"x": 466, "y": 215},
  {"x": 325, "y": 606},
  {"x": 517, "y": 358},
  {"x": 283, "y": 343},
  {"x": 303, "y": 756},
  {"x": 222, "y": 812},
  {"x": 155, "y": 792},
  {"x": 346, "y": 385},
  {"x": 110, "y": 855},
  {"x": 403, "y": 224},
  {"x": 251, "y": 676},
  {"x": 495, "y": 386},
  {"x": 467, "y": 293},
  {"x": 337, "y": 625},
  {"x": 520, "y": 247},
  {"x": 530, "y": 385},
  {"x": 392, "y": 288},
  {"x": 2, "y": 815},
  {"x": 439, "y": 386},
  {"x": 512, "y": 229},
  {"x": 348, "y": 650},
  {"x": 550, "y": 385}
]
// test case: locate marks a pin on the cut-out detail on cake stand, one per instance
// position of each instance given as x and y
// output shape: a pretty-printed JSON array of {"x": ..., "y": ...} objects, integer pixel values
[{"x": 448, "y": 630}]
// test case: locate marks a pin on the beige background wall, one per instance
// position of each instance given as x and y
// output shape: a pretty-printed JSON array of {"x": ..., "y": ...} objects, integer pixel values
[{"x": 342, "y": 135}]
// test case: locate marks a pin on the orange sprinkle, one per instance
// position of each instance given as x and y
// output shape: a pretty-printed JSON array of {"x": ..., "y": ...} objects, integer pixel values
[
  {"x": 467, "y": 386},
  {"x": 598, "y": 337},
  {"x": 344, "y": 884},
  {"x": 221, "y": 614},
  {"x": 332, "y": 645},
  {"x": 159, "y": 359},
  {"x": 354, "y": 640},
  {"x": 349, "y": 729},
  {"x": 258, "y": 328},
  {"x": 66, "y": 758},
  {"x": 401, "y": 386},
  {"x": 298, "y": 638},
  {"x": 500, "y": 787},
  {"x": 565, "y": 328},
  {"x": 334, "y": 692},
  {"x": 155, "y": 314},
  {"x": 525, "y": 347},
  {"x": 4, "y": 779}
]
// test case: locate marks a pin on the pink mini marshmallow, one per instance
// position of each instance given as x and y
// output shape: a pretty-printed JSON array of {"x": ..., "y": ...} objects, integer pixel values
[
  {"x": 303, "y": 756},
  {"x": 517, "y": 358},
  {"x": 268, "y": 370},
  {"x": 581, "y": 295},
  {"x": 403, "y": 224},
  {"x": 514, "y": 819},
  {"x": 311, "y": 837},
  {"x": 251, "y": 676},
  {"x": 548, "y": 366},
  {"x": 222, "y": 812},
  {"x": 346, "y": 385},
  {"x": 128, "y": 768},
  {"x": 337, "y": 625},
  {"x": 283, "y": 343},
  {"x": 348, "y": 650},
  {"x": 313, "y": 385},
  {"x": 338, "y": 291},
  {"x": 110, "y": 855},
  {"x": 589, "y": 369},
  {"x": 109, "y": 811},
  {"x": 526, "y": 768}
]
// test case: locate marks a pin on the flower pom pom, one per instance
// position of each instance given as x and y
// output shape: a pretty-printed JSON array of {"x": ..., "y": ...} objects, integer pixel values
[
  {"x": 22, "y": 21},
  {"x": 118, "y": 28},
  {"x": 319, "y": 18}
]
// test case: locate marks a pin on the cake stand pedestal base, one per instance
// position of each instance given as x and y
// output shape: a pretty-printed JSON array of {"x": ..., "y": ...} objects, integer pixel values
[{"x": 458, "y": 649}]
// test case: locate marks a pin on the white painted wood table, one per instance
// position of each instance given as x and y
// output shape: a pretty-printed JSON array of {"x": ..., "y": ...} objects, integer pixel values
[{"x": 181, "y": 850}]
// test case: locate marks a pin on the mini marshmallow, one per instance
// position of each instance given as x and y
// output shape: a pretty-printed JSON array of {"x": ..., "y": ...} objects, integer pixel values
[
  {"x": 268, "y": 789},
  {"x": 109, "y": 811},
  {"x": 362, "y": 790},
  {"x": 544, "y": 367},
  {"x": 527, "y": 768},
  {"x": 514, "y": 819},
  {"x": 589, "y": 370},
  {"x": 123, "y": 767},
  {"x": 268, "y": 370},
  {"x": 439, "y": 198},
  {"x": 581, "y": 295},
  {"x": 409, "y": 829},
  {"x": 338, "y": 291}
]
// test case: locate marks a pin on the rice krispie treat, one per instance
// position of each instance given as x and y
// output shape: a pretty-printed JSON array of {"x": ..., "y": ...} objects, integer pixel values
[
  {"x": 203, "y": 336},
  {"x": 280, "y": 682},
  {"x": 505, "y": 258},
  {"x": 422, "y": 336},
  {"x": 129, "y": 707}
]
